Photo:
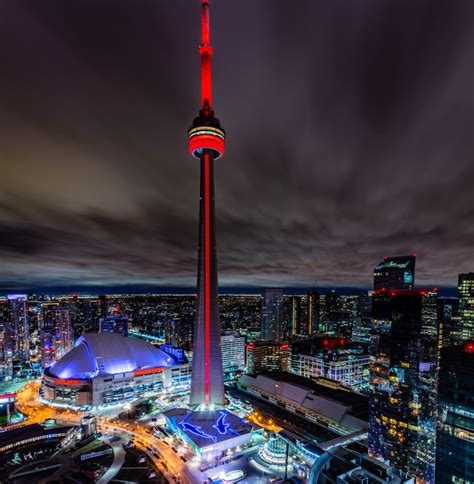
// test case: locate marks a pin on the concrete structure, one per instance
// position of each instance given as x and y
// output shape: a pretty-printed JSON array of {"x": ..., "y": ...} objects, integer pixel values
[
  {"x": 402, "y": 422},
  {"x": 395, "y": 273},
  {"x": 351, "y": 465},
  {"x": 263, "y": 356},
  {"x": 340, "y": 411},
  {"x": 347, "y": 364},
  {"x": 36, "y": 436},
  {"x": 233, "y": 352},
  {"x": 466, "y": 296},
  {"x": 107, "y": 368},
  {"x": 6, "y": 343},
  {"x": 272, "y": 314},
  {"x": 118, "y": 323},
  {"x": 56, "y": 333},
  {"x": 455, "y": 436},
  {"x": 206, "y": 142},
  {"x": 19, "y": 326},
  {"x": 209, "y": 434}
]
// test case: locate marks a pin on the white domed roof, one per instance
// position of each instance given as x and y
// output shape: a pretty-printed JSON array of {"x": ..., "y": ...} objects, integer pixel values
[{"x": 108, "y": 353}]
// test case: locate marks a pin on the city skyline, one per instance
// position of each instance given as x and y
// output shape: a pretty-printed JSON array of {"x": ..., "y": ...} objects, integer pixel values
[{"x": 346, "y": 157}]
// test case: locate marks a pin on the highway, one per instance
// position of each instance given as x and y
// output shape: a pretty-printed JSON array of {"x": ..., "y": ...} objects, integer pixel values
[{"x": 29, "y": 404}]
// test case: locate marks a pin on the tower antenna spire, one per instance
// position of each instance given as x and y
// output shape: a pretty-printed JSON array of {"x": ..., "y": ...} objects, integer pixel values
[
  {"x": 206, "y": 142},
  {"x": 205, "y": 51}
]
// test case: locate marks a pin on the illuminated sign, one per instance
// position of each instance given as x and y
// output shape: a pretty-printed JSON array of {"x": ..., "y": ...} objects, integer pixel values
[
  {"x": 63, "y": 381},
  {"x": 147, "y": 371},
  {"x": 196, "y": 430},
  {"x": 220, "y": 424}
]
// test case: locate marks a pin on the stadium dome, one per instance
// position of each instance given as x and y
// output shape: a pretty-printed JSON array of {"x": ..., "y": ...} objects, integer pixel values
[{"x": 108, "y": 353}]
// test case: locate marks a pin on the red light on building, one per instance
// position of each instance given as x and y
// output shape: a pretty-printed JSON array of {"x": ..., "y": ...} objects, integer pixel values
[
  {"x": 66, "y": 381},
  {"x": 326, "y": 342},
  {"x": 147, "y": 371},
  {"x": 250, "y": 346},
  {"x": 284, "y": 346},
  {"x": 469, "y": 347},
  {"x": 342, "y": 342}
]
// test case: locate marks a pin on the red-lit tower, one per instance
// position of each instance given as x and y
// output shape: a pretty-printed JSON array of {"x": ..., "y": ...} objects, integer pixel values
[{"x": 206, "y": 142}]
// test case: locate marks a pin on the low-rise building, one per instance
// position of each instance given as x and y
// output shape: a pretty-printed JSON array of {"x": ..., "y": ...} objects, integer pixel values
[{"x": 348, "y": 364}]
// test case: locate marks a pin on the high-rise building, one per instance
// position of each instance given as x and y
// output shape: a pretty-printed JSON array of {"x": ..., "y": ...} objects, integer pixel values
[
  {"x": 466, "y": 295},
  {"x": 455, "y": 438},
  {"x": 206, "y": 143},
  {"x": 449, "y": 316},
  {"x": 19, "y": 326},
  {"x": 267, "y": 356},
  {"x": 233, "y": 352},
  {"x": 332, "y": 306},
  {"x": 118, "y": 323},
  {"x": 313, "y": 312},
  {"x": 272, "y": 314},
  {"x": 102, "y": 310},
  {"x": 56, "y": 333},
  {"x": 6, "y": 350},
  {"x": 395, "y": 273},
  {"x": 402, "y": 404},
  {"x": 296, "y": 316}
]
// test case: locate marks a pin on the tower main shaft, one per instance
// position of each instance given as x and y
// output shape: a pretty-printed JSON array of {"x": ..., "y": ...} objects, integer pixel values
[{"x": 206, "y": 142}]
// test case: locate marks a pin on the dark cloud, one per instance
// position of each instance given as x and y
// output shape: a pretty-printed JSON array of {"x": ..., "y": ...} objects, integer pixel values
[{"x": 349, "y": 138}]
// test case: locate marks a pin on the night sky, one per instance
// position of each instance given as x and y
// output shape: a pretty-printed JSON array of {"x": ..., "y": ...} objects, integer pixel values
[{"x": 350, "y": 137}]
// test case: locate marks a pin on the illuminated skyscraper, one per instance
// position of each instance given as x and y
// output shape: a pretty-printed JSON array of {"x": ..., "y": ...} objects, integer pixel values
[
  {"x": 233, "y": 352},
  {"x": 455, "y": 438},
  {"x": 402, "y": 403},
  {"x": 56, "y": 333},
  {"x": 206, "y": 143},
  {"x": 296, "y": 316},
  {"x": 395, "y": 273},
  {"x": 19, "y": 326},
  {"x": 313, "y": 312},
  {"x": 272, "y": 314},
  {"x": 6, "y": 350},
  {"x": 466, "y": 295}
]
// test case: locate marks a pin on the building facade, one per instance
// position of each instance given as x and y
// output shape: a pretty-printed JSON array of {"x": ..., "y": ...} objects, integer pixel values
[
  {"x": 233, "y": 353},
  {"x": 313, "y": 309},
  {"x": 267, "y": 356},
  {"x": 272, "y": 314},
  {"x": 347, "y": 365},
  {"x": 466, "y": 296},
  {"x": 56, "y": 333},
  {"x": 395, "y": 273},
  {"x": 297, "y": 316},
  {"x": 402, "y": 411},
  {"x": 114, "y": 324},
  {"x": 19, "y": 326},
  {"x": 455, "y": 438}
]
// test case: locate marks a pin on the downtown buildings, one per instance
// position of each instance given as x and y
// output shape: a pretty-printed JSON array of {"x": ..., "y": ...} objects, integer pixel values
[
  {"x": 466, "y": 297},
  {"x": 272, "y": 314},
  {"x": 56, "y": 333},
  {"x": 403, "y": 384},
  {"x": 455, "y": 437}
]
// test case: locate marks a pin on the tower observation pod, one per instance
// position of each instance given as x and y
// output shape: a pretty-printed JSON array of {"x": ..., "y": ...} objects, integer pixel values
[{"x": 206, "y": 142}]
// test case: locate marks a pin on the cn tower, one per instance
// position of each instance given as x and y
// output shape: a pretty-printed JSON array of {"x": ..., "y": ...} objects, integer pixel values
[{"x": 206, "y": 143}]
